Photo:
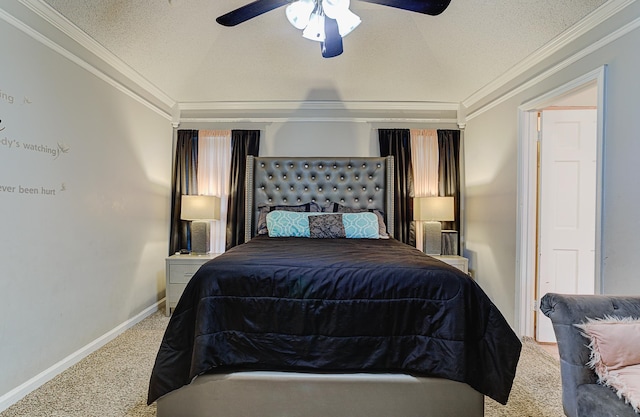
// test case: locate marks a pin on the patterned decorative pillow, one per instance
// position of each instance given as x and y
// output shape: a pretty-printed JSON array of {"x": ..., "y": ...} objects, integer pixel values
[
  {"x": 296, "y": 224},
  {"x": 288, "y": 224},
  {"x": 361, "y": 225},
  {"x": 262, "y": 228},
  {"x": 326, "y": 226},
  {"x": 331, "y": 207}
]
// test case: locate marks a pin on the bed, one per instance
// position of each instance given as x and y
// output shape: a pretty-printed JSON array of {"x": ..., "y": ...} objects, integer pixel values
[{"x": 332, "y": 316}]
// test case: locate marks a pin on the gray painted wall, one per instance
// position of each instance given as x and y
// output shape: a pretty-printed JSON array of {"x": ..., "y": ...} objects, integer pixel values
[
  {"x": 319, "y": 139},
  {"x": 83, "y": 251},
  {"x": 491, "y": 166}
]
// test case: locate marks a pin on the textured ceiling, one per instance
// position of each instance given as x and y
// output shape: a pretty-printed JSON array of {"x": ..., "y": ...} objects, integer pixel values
[{"x": 394, "y": 55}]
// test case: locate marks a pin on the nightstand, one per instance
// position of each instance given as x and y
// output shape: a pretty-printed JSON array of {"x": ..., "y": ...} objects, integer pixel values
[
  {"x": 180, "y": 269},
  {"x": 459, "y": 262}
]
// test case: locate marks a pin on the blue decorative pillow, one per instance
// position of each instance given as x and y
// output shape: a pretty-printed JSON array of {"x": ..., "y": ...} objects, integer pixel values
[
  {"x": 296, "y": 224},
  {"x": 361, "y": 225},
  {"x": 331, "y": 207},
  {"x": 262, "y": 228},
  {"x": 288, "y": 223}
]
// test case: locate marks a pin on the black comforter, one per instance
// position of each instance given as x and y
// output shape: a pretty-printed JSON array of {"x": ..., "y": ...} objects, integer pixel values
[{"x": 338, "y": 305}]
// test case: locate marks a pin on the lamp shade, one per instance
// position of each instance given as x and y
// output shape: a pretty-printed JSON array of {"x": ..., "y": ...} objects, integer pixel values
[
  {"x": 200, "y": 207},
  {"x": 433, "y": 208}
]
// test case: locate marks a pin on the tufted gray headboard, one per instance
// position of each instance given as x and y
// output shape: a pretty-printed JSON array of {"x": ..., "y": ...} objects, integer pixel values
[{"x": 354, "y": 182}]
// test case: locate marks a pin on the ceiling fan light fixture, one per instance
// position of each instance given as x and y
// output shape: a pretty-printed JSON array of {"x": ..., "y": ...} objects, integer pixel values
[
  {"x": 334, "y": 8},
  {"x": 324, "y": 21},
  {"x": 339, "y": 10},
  {"x": 315, "y": 29},
  {"x": 299, "y": 13},
  {"x": 347, "y": 22}
]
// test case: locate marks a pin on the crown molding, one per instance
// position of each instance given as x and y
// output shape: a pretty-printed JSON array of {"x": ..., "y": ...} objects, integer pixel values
[
  {"x": 318, "y": 111},
  {"x": 66, "y": 27},
  {"x": 214, "y": 106},
  {"x": 314, "y": 120},
  {"x": 598, "y": 16}
]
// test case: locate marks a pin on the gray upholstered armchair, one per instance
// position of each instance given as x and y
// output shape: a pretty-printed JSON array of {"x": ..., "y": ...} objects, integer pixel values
[{"x": 581, "y": 395}]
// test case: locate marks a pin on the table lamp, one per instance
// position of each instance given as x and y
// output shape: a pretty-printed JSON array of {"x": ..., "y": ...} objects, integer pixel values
[
  {"x": 431, "y": 211},
  {"x": 200, "y": 210}
]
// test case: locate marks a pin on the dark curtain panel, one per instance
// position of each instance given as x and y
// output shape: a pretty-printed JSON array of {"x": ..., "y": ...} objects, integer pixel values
[
  {"x": 243, "y": 144},
  {"x": 396, "y": 142},
  {"x": 449, "y": 173},
  {"x": 183, "y": 182}
]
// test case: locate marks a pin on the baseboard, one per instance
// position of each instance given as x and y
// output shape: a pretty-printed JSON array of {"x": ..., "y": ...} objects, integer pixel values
[{"x": 16, "y": 394}]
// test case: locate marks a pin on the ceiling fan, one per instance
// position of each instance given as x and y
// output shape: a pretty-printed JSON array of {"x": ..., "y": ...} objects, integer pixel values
[{"x": 325, "y": 21}]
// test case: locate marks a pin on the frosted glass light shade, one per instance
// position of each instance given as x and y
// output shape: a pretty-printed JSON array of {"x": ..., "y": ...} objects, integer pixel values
[
  {"x": 299, "y": 13},
  {"x": 347, "y": 22},
  {"x": 339, "y": 10},
  {"x": 315, "y": 29},
  {"x": 333, "y": 8},
  {"x": 433, "y": 208}
]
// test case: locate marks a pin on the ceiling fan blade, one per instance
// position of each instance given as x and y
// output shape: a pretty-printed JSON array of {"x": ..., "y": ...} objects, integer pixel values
[
  {"x": 430, "y": 7},
  {"x": 249, "y": 11},
  {"x": 332, "y": 45}
]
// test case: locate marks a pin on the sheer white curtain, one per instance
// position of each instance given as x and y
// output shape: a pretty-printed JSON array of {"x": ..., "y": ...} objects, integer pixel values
[
  {"x": 214, "y": 166},
  {"x": 425, "y": 159}
]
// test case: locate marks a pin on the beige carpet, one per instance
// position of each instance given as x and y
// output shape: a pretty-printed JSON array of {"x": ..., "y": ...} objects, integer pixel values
[{"x": 112, "y": 382}]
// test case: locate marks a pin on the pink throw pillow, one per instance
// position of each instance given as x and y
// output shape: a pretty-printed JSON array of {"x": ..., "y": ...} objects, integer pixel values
[
  {"x": 615, "y": 355},
  {"x": 615, "y": 340}
]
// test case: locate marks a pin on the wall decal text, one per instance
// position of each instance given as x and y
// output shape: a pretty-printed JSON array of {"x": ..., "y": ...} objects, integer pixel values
[
  {"x": 55, "y": 152},
  {"x": 31, "y": 190}
]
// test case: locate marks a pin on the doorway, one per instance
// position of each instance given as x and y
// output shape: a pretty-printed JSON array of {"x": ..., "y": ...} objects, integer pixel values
[
  {"x": 566, "y": 202},
  {"x": 548, "y": 181}
]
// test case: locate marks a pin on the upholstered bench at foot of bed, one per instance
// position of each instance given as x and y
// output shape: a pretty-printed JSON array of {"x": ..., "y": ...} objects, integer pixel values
[{"x": 275, "y": 394}]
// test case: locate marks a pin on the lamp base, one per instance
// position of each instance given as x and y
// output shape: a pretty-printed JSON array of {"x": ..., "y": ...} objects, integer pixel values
[
  {"x": 200, "y": 242},
  {"x": 432, "y": 238}
]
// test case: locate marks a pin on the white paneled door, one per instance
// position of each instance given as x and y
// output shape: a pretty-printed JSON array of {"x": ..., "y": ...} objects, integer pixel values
[{"x": 567, "y": 207}]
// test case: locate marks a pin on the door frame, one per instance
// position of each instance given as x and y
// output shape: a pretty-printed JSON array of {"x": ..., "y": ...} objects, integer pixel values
[{"x": 527, "y": 203}]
